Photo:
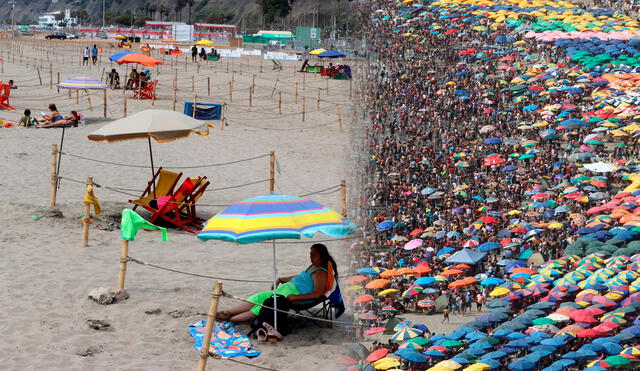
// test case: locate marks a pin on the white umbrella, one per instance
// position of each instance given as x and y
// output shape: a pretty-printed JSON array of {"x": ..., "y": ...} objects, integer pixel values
[{"x": 601, "y": 167}]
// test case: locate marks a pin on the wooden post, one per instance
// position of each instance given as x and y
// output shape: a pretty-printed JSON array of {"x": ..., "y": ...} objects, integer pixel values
[
  {"x": 280, "y": 103},
  {"x": 89, "y": 99},
  {"x": 86, "y": 217},
  {"x": 211, "y": 318},
  {"x": 77, "y": 96},
  {"x": 54, "y": 174},
  {"x": 58, "y": 79},
  {"x": 250, "y": 96},
  {"x": 339, "y": 116},
  {"x": 224, "y": 109},
  {"x": 124, "y": 254},
  {"x": 318, "y": 99},
  {"x": 304, "y": 103},
  {"x": 253, "y": 82},
  {"x": 272, "y": 171},
  {"x": 230, "y": 91},
  {"x": 125, "y": 106},
  {"x": 104, "y": 102},
  {"x": 39, "y": 77},
  {"x": 193, "y": 83},
  {"x": 327, "y": 86},
  {"x": 208, "y": 86},
  {"x": 343, "y": 194},
  {"x": 304, "y": 81},
  {"x": 175, "y": 93},
  {"x": 193, "y": 112},
  {"x": 274, "y": 86},
  {"x": 296, "y": 94},
  {"x": 50, "y": 77},
  {"x": 260, "y": 64}
]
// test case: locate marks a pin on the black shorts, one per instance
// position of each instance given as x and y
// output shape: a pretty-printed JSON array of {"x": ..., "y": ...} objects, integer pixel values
[
  {"x": 95, "y": 58},
  {"x": 85, "y": 58}
]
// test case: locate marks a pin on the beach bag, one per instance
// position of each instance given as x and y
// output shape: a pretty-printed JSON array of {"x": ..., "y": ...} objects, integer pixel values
[{"x": 262, "y": 326}]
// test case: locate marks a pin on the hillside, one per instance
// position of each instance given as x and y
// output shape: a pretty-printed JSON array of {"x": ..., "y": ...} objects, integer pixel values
[{"x": 244, "y": 13}]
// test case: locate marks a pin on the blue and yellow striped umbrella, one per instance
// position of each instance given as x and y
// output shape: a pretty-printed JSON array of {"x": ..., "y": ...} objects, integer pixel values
[{"x": 274, "y": 216}]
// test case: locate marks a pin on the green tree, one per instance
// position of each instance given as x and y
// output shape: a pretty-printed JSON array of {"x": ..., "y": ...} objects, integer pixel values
[{"x": 275, "y": 8}]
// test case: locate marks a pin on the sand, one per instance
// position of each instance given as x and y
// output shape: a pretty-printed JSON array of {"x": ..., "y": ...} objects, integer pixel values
[{"x": 46, "y": 275}]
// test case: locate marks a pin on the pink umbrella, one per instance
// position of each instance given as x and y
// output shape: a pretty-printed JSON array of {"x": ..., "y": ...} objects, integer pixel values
[{"x": 413, "y": 244}]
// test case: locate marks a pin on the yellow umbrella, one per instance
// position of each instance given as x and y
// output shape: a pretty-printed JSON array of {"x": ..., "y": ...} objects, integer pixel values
[
  {"x": 500, "y": 291},
  {"x": 478, "y": 367},
  {"x": 121, "y": 37},
  {"x": 555, "y": 225},
  {"x": 438, "y": 368},
  {"x": 450, "y": 364},
  {"x": 386, "y": 363},
  {"x": 204, "y": 42},
  {"x": 317, "y": 51},
  {"x": 514, "y": 212},
  {"x": 354, "y": 288},
  {"x": 387, "y": 292}
]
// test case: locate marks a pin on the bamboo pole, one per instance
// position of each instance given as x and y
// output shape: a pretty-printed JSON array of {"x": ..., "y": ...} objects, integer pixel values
[
  {"x": 296, "y": 94},
  {"x": 339, "y": 113},
  {"x": 122, "y": 273},
  {"x": 124, "y": 102},
  {"x": 195, "y": 99},
  {"x": 39, "y": 77},
  {"x": 230, "y": 92},
  {"x": 253, "y": 82},
  {"x": 224, "y": 109},
  {"x": 318, "y": 99},
  {"x": 208, "y": 86},
  {"x": 304, "y": 81},
  {"x": 274, "y": 86},
  {"x": 54, "y": 174},
  {"x": 280, "y": 103},
  {"x": 260, "y": 65},
  {"x": 175, "y": 93},
  {"x": 50, "y": 76},
  {"x": 343, "y": 196},
  {"x": 89, "y": 99},
  {"x": 104, "y": 102},
  {"x": 272, "y": 171},
  {"x": 350, "y": 89},
  {"x": 250, "y": 96},
  {"x": 77, "y": 96},
  {"x": 304, "y": 103},
  {"x": 211, "y": 318},
  {"x": 58, "y": 80},
  {"x": 86, "y": 217},
  {"x": 327, "y": 86},
  {"x": 193, "y": 83}
]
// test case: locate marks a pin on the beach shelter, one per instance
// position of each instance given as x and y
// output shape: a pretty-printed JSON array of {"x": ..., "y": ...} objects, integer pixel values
[
  {"x": 274, "y": 216},
  {"x": 466, "y": 256},
  {"x": 161, "y": 125},
  {"x": 331, "y": 54},
  {"x": 168, "y": 40},
  {"x": 204, "y": 42},
  {"x": 116, "y": 57},
  {"x": 317, "y": 51},
  {"x": 139, "y": 59}
]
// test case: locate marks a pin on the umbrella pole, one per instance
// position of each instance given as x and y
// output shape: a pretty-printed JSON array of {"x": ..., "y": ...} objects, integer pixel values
[
  {"x": 153, "y": 171},
  {"x": 275, "y": 279},
  {"x": 59, "y": 158}
]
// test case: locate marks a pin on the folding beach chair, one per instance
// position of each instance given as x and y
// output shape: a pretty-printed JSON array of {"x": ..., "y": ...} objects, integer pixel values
[
  {"x": 165, "y": 181},
  {"x": 179, "y": 208},
  {"x": 327, "y": 307},
  {"x": 148, "y": 92}
]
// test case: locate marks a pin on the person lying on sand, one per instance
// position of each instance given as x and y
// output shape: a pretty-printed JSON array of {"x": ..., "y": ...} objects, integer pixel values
[
  {"x": 71, "y": 120},
  {"x": 310, "y": 284}
]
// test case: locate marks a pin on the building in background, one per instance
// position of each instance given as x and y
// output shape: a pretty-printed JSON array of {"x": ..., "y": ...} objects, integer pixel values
[
  {"x": 55, "y": 19},
  {"x": 308, "y": 37}
]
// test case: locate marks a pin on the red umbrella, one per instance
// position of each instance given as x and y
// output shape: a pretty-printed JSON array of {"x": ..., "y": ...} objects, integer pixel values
[
  {"x": 594, "y": 311},
  {"x": 416, "y": 232},
  {"x": 540, "y": 196},
  {"x": 519, "y": 230},
  {"x": 378, "y": 354},
  {"x": 375, "y": 330},
  {"x": 582, "y": 317},
  {"x": 493, "y": 161},
  {"x": 588, "y": 333},
  {"x": 488, "y": 219}
]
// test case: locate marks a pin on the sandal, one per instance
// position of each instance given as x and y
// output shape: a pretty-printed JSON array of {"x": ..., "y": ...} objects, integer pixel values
[
  {"x": 272, "y": 334},
  {"x": 261, "y": 334}
]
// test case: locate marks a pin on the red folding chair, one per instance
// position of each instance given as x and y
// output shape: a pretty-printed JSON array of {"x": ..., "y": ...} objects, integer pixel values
[{"x": 148, "y": 92}]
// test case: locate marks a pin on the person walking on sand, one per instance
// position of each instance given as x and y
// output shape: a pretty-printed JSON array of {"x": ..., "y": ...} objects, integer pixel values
[
  {"x": 194, "y": 54},
  {"x": 85, "y": 56},
  {"x": 479, "y": 301},
  {"x": 445, "y": 314},
  {"x": 94, "y": 54}
]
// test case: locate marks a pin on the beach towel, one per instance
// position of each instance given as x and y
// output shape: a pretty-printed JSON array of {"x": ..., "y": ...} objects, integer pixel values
[
  {"x": 333, "y": 292},
  {"x": 90, "y": 198},
  {"x": 226, "y": 341},
  {"x": 131, "y": 223}
]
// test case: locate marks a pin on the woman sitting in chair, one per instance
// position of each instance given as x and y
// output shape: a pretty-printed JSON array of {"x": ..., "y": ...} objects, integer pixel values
[{"x": 310, "y": 284}]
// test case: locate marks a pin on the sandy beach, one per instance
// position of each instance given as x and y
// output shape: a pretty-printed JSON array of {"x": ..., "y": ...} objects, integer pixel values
[{"x": 48, "y": 275}]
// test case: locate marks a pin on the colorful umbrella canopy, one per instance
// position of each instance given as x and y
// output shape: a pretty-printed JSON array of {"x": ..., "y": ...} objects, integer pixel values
[
  {"x": 204, "y": 42},
  {"x": 139, "y": 59},
  {"x": 81, "y": 83}
]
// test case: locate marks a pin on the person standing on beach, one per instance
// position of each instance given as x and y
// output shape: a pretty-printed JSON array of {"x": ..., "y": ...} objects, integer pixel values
[
  {"x": 479, "y": 301},
  {"x": 194, "y": 53},
  {"x": 85, "y": 56},
  {"x": 445, "y": 314},
  {"x": 94, "y": 54}
]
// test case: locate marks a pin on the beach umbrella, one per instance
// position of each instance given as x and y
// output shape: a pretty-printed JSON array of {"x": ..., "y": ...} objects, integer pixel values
[
  {"x": 161, "y": 125},
  {"x": 375, "y": 284},
  {"x": 406, "y": 334},
  {"x": 387, "y": 224},
  {"x": 275, "y": 216},
  {"x": 168, "y": 40},
  {"x": 376, "y": 355},
  {"x": 120, "y": 37},
  {"x": 617, "y": 361},
  {"x": 522, "y": 364},
  {"x": 204, "y": 42},
  {"x": 331, "y": 54},
  {"x": 139, "y": 59},
  {"x": 449, "y": 364},
  {"x": 385, "y": 363},
  {"x": 374, "y": 331},
  {"x": 411, "y": 355}
]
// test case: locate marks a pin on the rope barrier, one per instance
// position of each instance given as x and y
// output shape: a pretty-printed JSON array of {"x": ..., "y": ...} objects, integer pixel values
[
  {"x": 215, "y": 356},
  {"x": 137, "y": 261},
  {"x": 238, "y": 186},
  {"x": 166, "y": 167}
]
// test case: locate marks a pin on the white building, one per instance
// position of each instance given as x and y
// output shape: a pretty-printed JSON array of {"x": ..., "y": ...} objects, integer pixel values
[{"x": 50, "y": 18}]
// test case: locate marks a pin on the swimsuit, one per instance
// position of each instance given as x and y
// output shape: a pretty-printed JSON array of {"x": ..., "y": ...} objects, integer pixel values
[{"x": 299, "y": 285}]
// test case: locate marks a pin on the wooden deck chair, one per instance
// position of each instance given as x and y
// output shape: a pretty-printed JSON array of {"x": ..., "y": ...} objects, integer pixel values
[
  {"x": 276, "y": 65},
  {"x": 148, "y": 92},
  {"x": 179, "y": 209},
  {"x": 328, "y": 307},
  {"x": 165, "y": 181}
]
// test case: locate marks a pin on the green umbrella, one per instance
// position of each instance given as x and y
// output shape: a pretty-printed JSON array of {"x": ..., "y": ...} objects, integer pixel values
[
  {"x": 489, "y": 340},
  {"x": 451, "y": 343},
  {"x": 617, "y": 361},
  {"x": 543, "y": 321},
  {"x": 419, "y": 340}
]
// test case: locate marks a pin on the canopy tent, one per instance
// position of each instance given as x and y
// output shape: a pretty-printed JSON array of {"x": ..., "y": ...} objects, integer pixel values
[{"x": 466, "y": 256}]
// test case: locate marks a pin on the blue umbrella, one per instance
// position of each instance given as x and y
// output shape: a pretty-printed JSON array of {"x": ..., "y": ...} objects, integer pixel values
[
  {"x": 509, "y": 168},
  {"x": 116, "y": 57},
  {"x": 544, "y": 349},
  {"x": 554, "y": 342},
  {"x": 494, "y": 355},
  {"x": 367, "y": 271},
  {"x": 331, "y": 54},
  {"x": 522, "y": 365},
  {"x": 433, "y": 353},
  {"x": 493, "y": 141},
  {"x": 452, "y": 234},
  {"x": 491, "y": 281},
  {"x": 611, "y": 348},
  {"x": 387, "y": 224},
  {"x": 492, "y": 363},
  {"x": 424, "y": 281},
  {"x": 411, "y": 355},
  {"x": 445, "y": 250},
  {"x": 487, "y": 246}
]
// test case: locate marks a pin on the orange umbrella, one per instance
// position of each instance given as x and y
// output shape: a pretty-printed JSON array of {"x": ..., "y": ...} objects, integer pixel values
[
  {"x": 364, "y": 299},
  {"x": 451, "y": 272},
  {"x": 462, "y": 266},
  {"x": 390, "y": 273},
  {"x": 377, "y": 284},
  {"x": 467, "y": 281},
  {"x": 523, "y": 270},
  {"x": 168, "y": 40},
  {"x": 140, "y": 59},
  {"x": 356, "y": 280},
  {"x": 422, "y": 269},
  {"x": 406, "y": 270}
]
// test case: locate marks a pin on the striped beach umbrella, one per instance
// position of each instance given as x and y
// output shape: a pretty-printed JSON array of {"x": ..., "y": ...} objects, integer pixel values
[
  {"x": 406, "y": 334},
  {"x": 274, "y": 216},
  {"x": 82, "y": 83}
]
